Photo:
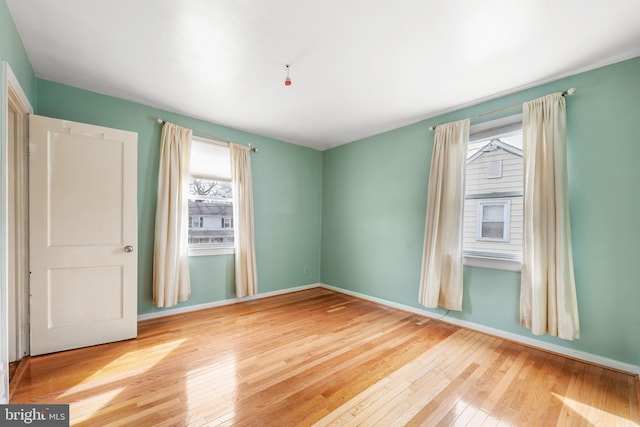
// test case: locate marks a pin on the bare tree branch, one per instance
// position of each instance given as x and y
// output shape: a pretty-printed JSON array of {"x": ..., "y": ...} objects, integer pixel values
[{"x": 211, "y": 189}]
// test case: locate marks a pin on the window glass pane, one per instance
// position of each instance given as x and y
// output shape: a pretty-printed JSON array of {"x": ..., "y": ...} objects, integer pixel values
[
  {"x": 493, "y": 213},
  {"x": 493, "y": 230},
  {"x": 210, "y": 212},
  {"x": 494, "y": 184}
]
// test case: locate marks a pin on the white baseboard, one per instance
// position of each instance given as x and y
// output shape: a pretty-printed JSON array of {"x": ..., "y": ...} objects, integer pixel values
[
  {"x": 531, "y": 342},
  {"x": 195, "y": 307}
]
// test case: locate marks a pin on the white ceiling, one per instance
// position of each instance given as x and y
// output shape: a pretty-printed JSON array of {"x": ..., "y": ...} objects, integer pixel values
[{"x": 359, "y": 67}]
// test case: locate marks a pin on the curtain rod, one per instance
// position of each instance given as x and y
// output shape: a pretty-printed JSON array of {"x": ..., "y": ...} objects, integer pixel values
[
  {"x": 204, "y": 135},
  {"x": 569, "y": 91}
]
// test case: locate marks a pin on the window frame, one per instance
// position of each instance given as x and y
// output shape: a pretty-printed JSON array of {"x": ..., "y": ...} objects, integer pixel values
[
  {"x": 506, "y": 219},
  {"x": 209, "y": 249},
  {"x": 495, "y": 261}
]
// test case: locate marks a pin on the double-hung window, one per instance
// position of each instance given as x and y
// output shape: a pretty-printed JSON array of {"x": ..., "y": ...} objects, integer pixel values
[
  {"x": 493, "y": 220},
  {"x": 493, "y": 205},
  {"x": 210, "y": 199}
]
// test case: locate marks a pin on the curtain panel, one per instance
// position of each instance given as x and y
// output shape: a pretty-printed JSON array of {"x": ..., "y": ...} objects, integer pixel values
[
  {"x": 245, "y": 253},
  {"x": 548, "y": 302},
  {"x": 441, "y": 277},
  {"x": 171, "y": 283}
]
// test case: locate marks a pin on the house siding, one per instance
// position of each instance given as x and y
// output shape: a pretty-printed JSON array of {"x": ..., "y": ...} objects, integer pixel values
[
  {"x": 512, "y": 179},
  {"x": 477, "y": 183},
  {"x": 512, "y": 247}
]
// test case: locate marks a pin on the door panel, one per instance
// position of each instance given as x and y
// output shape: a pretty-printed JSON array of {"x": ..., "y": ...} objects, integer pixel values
[
  {"x": 73, "y": 217},
  {"x": 82, "y": 215},
  {"x": 72, "y": 293}
]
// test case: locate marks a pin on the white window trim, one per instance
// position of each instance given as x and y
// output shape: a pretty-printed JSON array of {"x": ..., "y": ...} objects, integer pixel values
[
  {"x": 506, "y": 216},
  {"x": 493, "y": 262},
  {"x": 495, "y": 128},
  {"x": 208, "y": 250}
]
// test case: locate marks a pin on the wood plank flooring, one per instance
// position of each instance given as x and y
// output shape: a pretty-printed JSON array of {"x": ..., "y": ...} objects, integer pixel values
[{"x": 318, "y": 357}]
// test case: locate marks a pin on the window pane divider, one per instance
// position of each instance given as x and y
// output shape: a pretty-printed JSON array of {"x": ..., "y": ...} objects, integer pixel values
[{"x": 494, "y": 195}]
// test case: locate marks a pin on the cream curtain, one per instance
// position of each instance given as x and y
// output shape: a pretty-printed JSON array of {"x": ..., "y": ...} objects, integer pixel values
[
  {"x": 441, "y": 279},
  {"x": 245, "y": 253},
  {"x": 171, "y": 283},
  {"x": 548, "y": 302}
]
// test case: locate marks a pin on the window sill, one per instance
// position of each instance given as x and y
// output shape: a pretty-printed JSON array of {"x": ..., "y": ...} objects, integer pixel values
[
  {"x": 210, "y": 250},
  {"x": 486, "y": 261}
]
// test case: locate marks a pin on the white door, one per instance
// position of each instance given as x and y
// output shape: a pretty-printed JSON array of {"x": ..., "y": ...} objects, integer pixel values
[{"x": 83, "y": 234}]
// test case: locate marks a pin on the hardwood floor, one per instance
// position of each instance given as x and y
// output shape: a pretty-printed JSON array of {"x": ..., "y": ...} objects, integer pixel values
[{"x": 324, "y": 358}]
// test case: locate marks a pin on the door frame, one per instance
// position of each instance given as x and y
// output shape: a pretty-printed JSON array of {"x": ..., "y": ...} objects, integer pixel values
[{"x": 13, "y": 97}]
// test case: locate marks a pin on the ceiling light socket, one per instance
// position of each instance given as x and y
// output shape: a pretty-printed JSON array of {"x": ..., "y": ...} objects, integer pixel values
[{"x": 287, "y": 81}]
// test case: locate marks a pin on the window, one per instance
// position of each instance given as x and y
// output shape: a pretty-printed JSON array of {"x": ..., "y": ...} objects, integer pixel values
[
  {"x": 195, "y": 221},
  {"x": 493, "y": 203},
  {"x": 494, "y": 169},
  {"x": 210, "y": 199},
  {"x": 493, "y": 220}
]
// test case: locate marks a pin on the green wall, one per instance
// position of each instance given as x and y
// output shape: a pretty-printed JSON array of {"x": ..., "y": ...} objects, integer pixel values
[
  {"x": 287, "y": 196},
  {"x": 12, "y": 51},
  {"x": 374, "y": 204},
  {"x": 359, "y": 209}
]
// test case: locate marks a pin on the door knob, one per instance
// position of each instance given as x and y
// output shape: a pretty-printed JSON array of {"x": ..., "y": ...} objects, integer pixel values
[{"x": 128, "y": 248}]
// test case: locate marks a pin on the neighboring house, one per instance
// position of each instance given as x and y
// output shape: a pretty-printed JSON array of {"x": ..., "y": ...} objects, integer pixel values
[
  {"x": 210, "y": 222},
  {"x": 493, "y": 200}
]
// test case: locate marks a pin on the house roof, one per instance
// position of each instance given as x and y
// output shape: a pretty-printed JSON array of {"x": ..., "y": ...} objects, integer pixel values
[
  {"x": 210, "y": 209},
  {"x": 493, "y": 145}
]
